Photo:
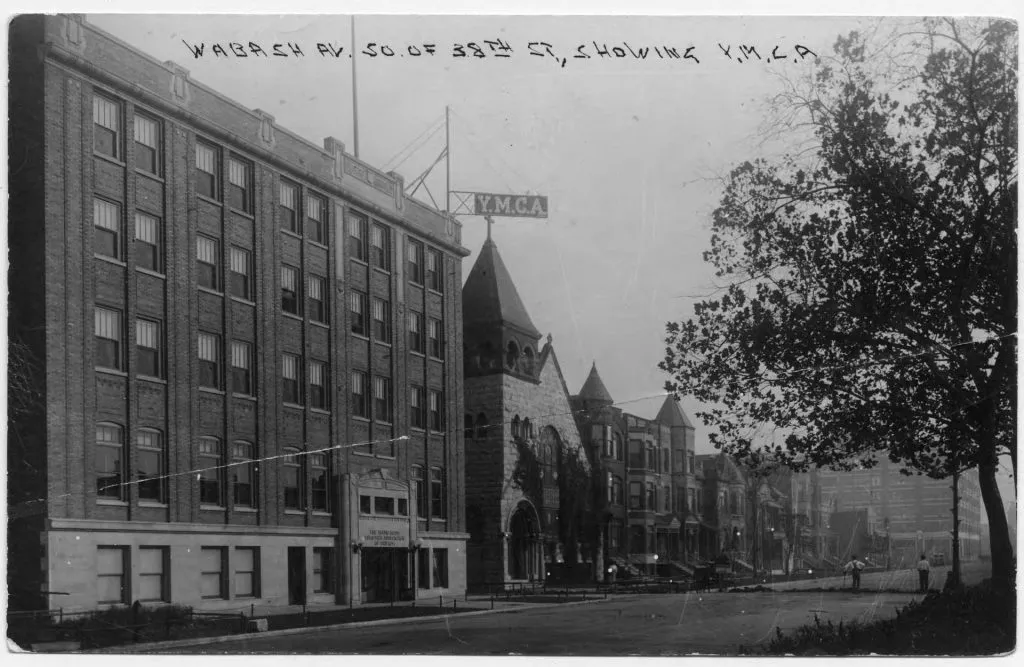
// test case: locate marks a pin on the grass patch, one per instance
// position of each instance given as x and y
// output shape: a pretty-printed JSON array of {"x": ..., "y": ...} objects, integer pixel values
[{"x": 980, "y": 620}]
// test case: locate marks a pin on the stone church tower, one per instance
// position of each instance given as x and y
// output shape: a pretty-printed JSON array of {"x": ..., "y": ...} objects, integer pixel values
[{"x": 524, "y": 463}]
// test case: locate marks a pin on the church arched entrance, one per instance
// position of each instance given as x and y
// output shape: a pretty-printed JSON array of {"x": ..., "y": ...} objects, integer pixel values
[{"x": 524, "y": 543}]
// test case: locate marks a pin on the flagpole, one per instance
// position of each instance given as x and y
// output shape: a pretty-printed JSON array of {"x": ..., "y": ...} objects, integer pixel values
[
  {"x": 447, "y": 160},
  {"x": 355, "y": 99}
]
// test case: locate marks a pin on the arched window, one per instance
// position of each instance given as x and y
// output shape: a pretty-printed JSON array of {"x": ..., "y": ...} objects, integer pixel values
[
  {"x": 151, "y": 465},
  {"x": 211, "y": 472},
  {"x": 110, "y": 462},
  {"x": 516, "y": 428},
  {"x": 527, "y": 429},
  {"x": 481, "y": 425},
  {"x": 511, "y": 355},
  {"x": 243, "y": 473}
]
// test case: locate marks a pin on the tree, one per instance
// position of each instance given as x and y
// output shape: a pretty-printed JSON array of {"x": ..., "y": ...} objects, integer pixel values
[{"x": 872, "y": 308}]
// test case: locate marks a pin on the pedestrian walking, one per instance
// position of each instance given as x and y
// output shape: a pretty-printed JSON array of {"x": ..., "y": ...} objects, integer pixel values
[
  {"x": 923, "y": 569},
  {"x": 854, "y": 567}
]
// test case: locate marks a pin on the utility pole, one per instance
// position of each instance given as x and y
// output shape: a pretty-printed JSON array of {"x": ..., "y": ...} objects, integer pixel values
[{"x": 448, "y": 160}]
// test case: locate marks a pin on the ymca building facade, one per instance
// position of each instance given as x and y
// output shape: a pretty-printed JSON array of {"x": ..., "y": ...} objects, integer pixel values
[{"x": 245, "y": 349}]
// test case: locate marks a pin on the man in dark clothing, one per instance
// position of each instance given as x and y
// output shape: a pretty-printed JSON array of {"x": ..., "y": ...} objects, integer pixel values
[{"x": 923, "y": 568}]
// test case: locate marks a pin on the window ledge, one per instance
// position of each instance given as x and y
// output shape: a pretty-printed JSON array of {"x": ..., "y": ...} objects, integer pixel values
[
  {"x": 210, "y": 291},
  {"x": 211, "y": 390},
  {"x": 151, "y": 272},
  {"x": 245, "y": 510},
  {"x": 322, "y": 325},
  {"x": 359, "y": 453},
  {"x": 321, "y": 513},
  {"x": 111, "y": 371},
  {"x": 435, "y": 291},
  {"x": 295, "y": 512},
  {"x": 293, "y": 406},
  {"x": 317, "y": 244},
  {"x": 110, "y": 260},
  {"x": 245, "y": 397},
  {"x": 247, "y": 302},
  {"x": 381, "y": 342},
  {"x": 291, "y": 316},
  {"x": 150, "y": 378},
  {"x": 210, "y": 200},
  {"x": 289, "y": 232},
  {"x": 245, "y": 214},
  {"x": 361, "y": 262},
  {"x": 421, "y": 355},
  {"x": 365, "y": 420},
  {"x": 153, "y": 505},
  {"x": 107, "y": 158},
  {"x": 385, "y": 456},
  {"x": 111, "y": 502},
  {"x": 320, "y": 411},
  {"x": 386, "y": 272},
  {"x": 211, "y": 508},
  {"x": 361, "y": 336},
  {"x": 150, "y": 175}
]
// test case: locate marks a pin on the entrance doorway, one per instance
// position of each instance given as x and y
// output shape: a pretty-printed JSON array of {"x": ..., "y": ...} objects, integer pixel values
[
  {"x": 385, "y": 574},
  {"x": 296, "y": 575}
]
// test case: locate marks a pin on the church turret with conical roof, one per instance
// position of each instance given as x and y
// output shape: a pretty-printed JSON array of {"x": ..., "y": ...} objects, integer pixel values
[
  {"x": 500, "y": 337},
  {"x": 594, "y": 393}
]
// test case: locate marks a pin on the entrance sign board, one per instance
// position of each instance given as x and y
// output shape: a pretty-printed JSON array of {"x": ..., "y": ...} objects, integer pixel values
[
  {"x": 513, "y": 206},
  {"x": 384, "y": 534}
]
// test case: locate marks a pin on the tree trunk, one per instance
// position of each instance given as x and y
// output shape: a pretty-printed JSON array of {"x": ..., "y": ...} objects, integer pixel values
[
  {"x": 956, "y": 528},
  {"x": 999, "y": 532}
]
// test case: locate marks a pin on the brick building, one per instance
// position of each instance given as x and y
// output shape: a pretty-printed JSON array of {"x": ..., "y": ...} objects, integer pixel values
[
  {"x": 900, "y": 516},
  {"x": 525, "y": 468},
  {"x": 647, "y": 472},
  {"x": 213, "y": 312}
]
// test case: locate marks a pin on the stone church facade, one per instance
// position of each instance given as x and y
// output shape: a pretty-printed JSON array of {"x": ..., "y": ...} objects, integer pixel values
[{"x": 527, "y": 476}]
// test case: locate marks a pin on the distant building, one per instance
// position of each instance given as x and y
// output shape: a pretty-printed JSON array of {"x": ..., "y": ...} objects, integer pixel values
[
  {"x": 216, "y": 311},
  {"x": 528, "y": 498},
  {"x": 903, "y": 515}
]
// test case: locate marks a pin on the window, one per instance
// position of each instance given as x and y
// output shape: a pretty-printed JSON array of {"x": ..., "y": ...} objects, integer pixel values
[
  {"x": 434, "y": 404},
  {"x": 635, "y": 496},
  {"x": 420, "y": 491},
  {"x": 417, "y": 411},
  {"x": 384, "y": 505},
  {"x": 357, "y": 309},
  {"x": 615, "y": 528},
  {"x": 150, "y": 348},
  {"x": 650, "y": 457},
  {"x": 666, "y": 499},
  {"x": 317, "y": 302},
  {"x": 241, "y": 363},
  {"x": 243, "y": 473},
  {"x": 207, "y": 262},
  {"x": 213, "y": 584},
  {"x": 210, "y": 472},
  {"x": 423, "y": 569},
  {"x": 380, "y": 247},
  {"x": 360, "y": 404},
  {"x": 151, "y": 466},
  {"x": 636, "y": 454},
  {"x": 437, "y": 495},
  {"x": 153, "y": 574},
  {"x": 147, "y": 144},
  {"x": 436, "y": 339},
  {"x": 112, "y": 575},
  {"x": 110, "y": 462},
  {"x": 651, "y": 504},
  {"x": 692, "y": 468},
  {"x": 241, "y": 269},
  {"x": 617, "y": 451},
  {"x": 106, "y": 117},
  {"x": 207, "y": 167},
  {"x": 357, "y": 237},
  {"x": 323, "y": 568},
  {"x": 365, "y": 504},
  {"x": 320, "y": 482},
  {"x": 291, "y": 471},
  {"x": 416, "y": 342},
  {"x": 382, "y": 399},
  {"x": 289, "y": 195},
  {"x": 247, "y": 572},
  {"x": 434, "y": 264},
  {"x": 403, "y": 507},
  {"x": 382, "y": 320},
  {"x": 291, "y": 385},
  {"x": 240, "y": 184},
  {"x": 318, "y": 385},
  {"x": 316, "y": 213},
  {"x": 414, "y": 251},
  {"x": 107, "y": 221},
  {"x": 610, "y": 489},
  {"x": 617, "y": 490},
  {"x": 209, "y": 361},
  {"x": 148, "y": 242},
  {"x": 290, "y": 289},
  {"x": 440, "y": 568},
  {"x": 109, "y": 352}
]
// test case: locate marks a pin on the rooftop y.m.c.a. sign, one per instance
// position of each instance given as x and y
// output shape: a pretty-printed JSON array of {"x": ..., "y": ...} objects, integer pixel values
[{"x": 513, "y": 206}]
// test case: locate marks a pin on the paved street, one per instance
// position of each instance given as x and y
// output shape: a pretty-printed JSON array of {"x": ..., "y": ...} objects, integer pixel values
[
  {"x": 629, "y": 625},
  {"x": 903, "y": 580}
]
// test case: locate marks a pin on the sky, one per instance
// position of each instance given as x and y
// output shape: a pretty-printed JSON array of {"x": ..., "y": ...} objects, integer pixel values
[{"x": 628, "y": 150}]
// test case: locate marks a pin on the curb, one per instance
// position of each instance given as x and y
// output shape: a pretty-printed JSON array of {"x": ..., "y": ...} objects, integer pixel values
[{"x": 205, "y": 641}]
